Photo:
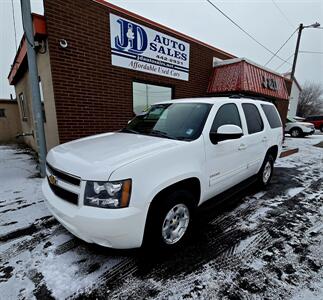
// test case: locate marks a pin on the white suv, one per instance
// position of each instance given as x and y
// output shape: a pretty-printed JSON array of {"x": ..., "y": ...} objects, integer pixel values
[
  {"x": 144, "y": 182},
  {"x": 297, "y": 128}
]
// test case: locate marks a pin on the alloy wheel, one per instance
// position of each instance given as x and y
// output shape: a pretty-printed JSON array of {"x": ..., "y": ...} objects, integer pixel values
[
  {"x": 175, "y": 224},
  {"x": 295, "y": 133},
  {"x": 267, "y": 172}
]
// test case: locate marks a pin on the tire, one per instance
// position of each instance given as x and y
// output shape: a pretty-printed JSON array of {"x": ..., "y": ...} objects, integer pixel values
[
  {"x": 169, "y": 221},
  {"x": 321, "y": 128},
  {"x": 296, "y": 132},
  {"x": 266, "y": 171}
]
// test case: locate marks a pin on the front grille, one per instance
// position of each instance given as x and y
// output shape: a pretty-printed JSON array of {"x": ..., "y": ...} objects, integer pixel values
[
  {"x": 63, "y": 176},
  {"x": 64, "y": 194}
]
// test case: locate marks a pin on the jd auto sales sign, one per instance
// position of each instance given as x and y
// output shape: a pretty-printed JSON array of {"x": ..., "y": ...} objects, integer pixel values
[{"x": 139, "y": 48}]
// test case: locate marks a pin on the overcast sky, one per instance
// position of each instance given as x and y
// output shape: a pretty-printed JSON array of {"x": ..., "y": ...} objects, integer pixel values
[{"x": 270, "y": 24}]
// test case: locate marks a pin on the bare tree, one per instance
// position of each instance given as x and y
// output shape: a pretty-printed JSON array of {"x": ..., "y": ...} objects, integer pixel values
[{"x": 310, "y": 100}]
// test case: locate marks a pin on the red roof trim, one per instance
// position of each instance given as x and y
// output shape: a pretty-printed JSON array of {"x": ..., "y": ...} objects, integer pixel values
[
  {"x": 131, "y": 14},
  {"x": 242, "y": 76},
  {"x": 39, "y": 24}
]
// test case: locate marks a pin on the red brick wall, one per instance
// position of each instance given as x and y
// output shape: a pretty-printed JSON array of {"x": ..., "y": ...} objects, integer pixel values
[{"x": 91, "y": 95}]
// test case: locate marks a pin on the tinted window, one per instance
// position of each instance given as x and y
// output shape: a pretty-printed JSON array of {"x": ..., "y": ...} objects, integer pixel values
[
  {"x": 227, "y": 114},
  {"x": 271, "y": 115},
  {"x": 253, "y": 118}
]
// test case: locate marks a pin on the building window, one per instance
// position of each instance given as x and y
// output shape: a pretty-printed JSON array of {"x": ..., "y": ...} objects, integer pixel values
[
  {"x": 2, "y": 113},
  {"x": 42, "y": 99},
  {"x": 23, "y": 106},
  {"x": 144, "y": 95}
]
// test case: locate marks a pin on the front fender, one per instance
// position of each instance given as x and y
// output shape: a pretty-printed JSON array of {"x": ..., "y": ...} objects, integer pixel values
[{"x": 152, "y": 174}]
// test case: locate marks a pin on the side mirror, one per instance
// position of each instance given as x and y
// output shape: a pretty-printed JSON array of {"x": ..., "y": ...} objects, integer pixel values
[{"x": 226, "y": 132}]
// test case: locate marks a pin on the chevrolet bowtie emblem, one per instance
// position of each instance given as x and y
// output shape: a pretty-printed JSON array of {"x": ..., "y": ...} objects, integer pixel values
[{"x": 52, "y": 179}]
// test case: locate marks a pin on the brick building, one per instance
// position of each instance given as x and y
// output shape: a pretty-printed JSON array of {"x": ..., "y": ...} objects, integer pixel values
[{"x": 99, "y": 64}]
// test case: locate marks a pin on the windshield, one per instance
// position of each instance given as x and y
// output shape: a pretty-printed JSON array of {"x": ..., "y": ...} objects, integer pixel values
[
  {"x": 180, "y": 121},
  {"x": 291, "y": 120}
]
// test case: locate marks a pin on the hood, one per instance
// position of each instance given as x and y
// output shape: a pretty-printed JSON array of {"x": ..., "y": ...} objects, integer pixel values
[
  {"x": 305, "y": 123},
  {"x": 96, "y": 157}
]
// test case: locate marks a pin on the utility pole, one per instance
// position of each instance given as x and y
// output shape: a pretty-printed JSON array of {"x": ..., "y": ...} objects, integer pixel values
[
  {"x": 34, "y": 84},
  {"x": 300, "y": 29}
]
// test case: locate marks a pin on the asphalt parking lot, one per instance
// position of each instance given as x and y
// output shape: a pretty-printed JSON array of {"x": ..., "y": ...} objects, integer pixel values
[{"x": 260, "y": 244}]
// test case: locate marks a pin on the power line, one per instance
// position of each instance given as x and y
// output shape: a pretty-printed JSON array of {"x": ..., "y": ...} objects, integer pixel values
[
  {"x": 14, "y": 23},
  {"x": 312, "y": 52},
  {"x": 244, "y": 31},
  {"x": 280, "y": 48},
  {"x": 289, "y": 57},
  {"x": 283, "y": 14}
]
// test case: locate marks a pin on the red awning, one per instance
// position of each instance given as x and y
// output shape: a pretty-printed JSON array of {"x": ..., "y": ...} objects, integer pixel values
[
  {"x": 39, "y": 26},
  {"x": 243, "y": 76}
]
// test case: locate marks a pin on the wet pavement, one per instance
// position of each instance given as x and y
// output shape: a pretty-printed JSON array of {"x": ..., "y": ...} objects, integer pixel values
[{"x": 259, "y": 244}]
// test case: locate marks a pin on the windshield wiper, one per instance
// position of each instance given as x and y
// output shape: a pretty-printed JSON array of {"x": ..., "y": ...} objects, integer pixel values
[
  {"x": 162, "y": 134},
  {"x": 183, "y": 138},
  {"x": 127, "y": 130}
]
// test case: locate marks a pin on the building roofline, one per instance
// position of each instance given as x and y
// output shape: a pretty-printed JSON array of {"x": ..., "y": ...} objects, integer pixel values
[
  {"x": 8, "y": 101},
  {"x": 239, "y": 59},
  {"x": 296, "y": 82},
  {"x": 39, "y": 23},
  {"x": 175, "y": 32}
]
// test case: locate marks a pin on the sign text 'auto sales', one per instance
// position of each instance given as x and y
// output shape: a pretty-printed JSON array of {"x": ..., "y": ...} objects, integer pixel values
[{"x": 139, "y": 48}]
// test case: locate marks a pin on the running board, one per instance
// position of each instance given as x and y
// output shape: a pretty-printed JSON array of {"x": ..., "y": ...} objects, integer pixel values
[{"x": 225, "y": 196}]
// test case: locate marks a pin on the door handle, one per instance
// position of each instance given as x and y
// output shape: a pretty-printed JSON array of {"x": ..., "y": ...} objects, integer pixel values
[
  {"x": 265, "y": 139},
  {"x": 242, "y": 147}
]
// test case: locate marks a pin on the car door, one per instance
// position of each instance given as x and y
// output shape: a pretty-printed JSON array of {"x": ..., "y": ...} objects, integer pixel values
[
  {"x": 256, "y": 140},
  {"x": 225, "y": 165}
]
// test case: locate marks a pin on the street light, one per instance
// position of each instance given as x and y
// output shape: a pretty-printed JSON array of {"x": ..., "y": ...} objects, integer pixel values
[
  {"x": 315, "y": 25},
  {"x": 300, "y": 28}
]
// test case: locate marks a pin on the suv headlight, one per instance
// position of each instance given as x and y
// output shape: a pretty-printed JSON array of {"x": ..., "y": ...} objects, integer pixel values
[{"x": 114, "y": 194}]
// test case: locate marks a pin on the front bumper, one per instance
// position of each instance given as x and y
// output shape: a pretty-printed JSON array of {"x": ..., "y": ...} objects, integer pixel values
[
  {"x": 114, "y": 228},
  {"x": 310, "y": 131}
]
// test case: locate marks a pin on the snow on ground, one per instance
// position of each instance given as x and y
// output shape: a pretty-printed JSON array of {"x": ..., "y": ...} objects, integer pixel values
[
  {"x": 261, "y": 244},
  {"x": 34, "y": 248}
]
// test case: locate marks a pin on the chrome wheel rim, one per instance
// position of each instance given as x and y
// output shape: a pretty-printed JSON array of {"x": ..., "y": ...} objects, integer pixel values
[
  {"x": 267, "y": 172},
  {"x": 175, "y": 224}
]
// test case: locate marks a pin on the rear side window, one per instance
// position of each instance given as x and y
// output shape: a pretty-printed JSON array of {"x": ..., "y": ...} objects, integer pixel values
[
  {"x": 271, "y": 115},
  {"x": 253, "y": 118},
  {"x": 314, "y": 118},
  {"x": 227, "y": 114}
]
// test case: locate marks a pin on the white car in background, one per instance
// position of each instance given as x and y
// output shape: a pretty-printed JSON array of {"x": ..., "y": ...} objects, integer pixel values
[{"x": 298, "y": 129}]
